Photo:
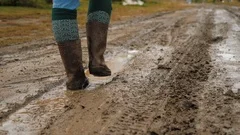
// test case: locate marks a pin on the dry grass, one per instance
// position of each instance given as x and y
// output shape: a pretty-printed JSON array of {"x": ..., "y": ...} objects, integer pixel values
[
  {"x": 19, "y": 24},
  {"x": 234, "y": 3},
  {"x": 125, "y": 12}
]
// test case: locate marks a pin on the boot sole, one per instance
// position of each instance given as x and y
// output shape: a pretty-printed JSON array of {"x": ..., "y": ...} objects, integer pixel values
[{"x": 99, "y": 73}]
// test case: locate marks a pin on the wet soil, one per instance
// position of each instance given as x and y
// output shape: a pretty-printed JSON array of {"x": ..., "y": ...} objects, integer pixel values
[{"x": 173, "y": 73}]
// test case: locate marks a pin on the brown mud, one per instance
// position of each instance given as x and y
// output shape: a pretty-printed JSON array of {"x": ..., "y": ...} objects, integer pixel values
[{"x": 173, "y": 73}]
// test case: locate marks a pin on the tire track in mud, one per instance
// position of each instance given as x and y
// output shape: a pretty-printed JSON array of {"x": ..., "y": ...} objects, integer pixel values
[
  {"x": 219, "y": 110},
  {"x": 184, "y": 84},
  {"x": 172, "y": 106},
  {"x": 138, "y": 114}
]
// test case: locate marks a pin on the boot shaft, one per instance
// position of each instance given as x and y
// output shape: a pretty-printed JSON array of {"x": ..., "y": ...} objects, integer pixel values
[
  {"x": 71, "y": 55},
  {"x": 97, "y": 41}
]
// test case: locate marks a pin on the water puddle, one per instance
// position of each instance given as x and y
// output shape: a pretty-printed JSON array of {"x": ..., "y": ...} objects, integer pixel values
[
  {"x": 236, "y": 88},
  {"x": 226, "y": 52},
  {"x": 233, "y": 75},
  {"x": 116, "y": 65},
  {"x": 31, "y": 119},
  {"x": 235, "y": 28},
  {"x": 34, "y": 117},
  {"x": 227, "y": 57}
]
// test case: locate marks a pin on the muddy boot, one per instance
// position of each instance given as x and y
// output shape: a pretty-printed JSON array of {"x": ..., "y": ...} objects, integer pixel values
[
  {"x": 97, "y": 40},
  {"x": 99, "y": 13},
  {"x": 71, "y": 55},
  {"x": 65, "y": 30}
]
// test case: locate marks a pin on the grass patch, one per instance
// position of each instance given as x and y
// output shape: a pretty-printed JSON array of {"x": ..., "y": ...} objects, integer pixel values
[
  {"x": 21, "y": 24},
  {"x": 125, "y": 12},
  {"x": 22, "y": 12}
]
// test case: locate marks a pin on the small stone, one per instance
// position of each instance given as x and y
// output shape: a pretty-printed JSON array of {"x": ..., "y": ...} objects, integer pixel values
[{"x": 124, "y": 81}]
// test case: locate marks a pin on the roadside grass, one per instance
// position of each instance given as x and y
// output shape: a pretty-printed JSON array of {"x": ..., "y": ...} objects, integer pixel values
[
  {"x": 126, "y": 12},
  {"x": 19, "y": 12},
  {"x": 21, "y": 24},
  {"x": 234, "y": 3},
  {"x": 226, "y": 2}
]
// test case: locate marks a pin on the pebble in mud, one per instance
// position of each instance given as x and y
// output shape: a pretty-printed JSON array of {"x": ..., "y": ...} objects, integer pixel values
[{"x": 189, "y": 105}]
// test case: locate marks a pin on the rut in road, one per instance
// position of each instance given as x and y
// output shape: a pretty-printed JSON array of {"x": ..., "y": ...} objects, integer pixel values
[
  {"x": 185, "y": 84},
  {"x": 168, "y": 98}
]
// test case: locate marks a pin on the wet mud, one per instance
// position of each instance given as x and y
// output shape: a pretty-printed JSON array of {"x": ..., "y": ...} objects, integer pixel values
[{"x": 173, "y": 73}]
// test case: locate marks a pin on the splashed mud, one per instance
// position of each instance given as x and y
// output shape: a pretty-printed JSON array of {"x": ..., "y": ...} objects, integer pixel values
[{"x": 116, "y": 64}]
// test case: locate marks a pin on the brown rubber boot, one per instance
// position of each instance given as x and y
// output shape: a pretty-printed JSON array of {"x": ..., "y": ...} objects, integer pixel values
[
  {"x": 97, "y": 41},
  {"x": 71, "y": 54}
]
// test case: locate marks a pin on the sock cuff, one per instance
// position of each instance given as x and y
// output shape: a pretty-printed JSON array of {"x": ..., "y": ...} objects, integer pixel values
[
  {"x": 99, "y": 16},
  {"x": 65, "y": 30}
]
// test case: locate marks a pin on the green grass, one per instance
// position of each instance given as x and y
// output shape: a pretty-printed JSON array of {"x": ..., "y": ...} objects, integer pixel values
[{"x": 22, "y": 24}]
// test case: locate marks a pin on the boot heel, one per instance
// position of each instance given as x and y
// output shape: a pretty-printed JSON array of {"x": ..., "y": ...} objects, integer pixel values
[{"x": 100, "y": 71}]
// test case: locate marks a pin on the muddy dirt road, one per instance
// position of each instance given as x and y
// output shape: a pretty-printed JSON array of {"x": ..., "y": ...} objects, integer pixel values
[{"x": 174, "y": 73}]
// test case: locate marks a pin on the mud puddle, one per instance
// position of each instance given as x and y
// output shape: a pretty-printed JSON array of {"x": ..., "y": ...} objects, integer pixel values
[
  {"x": 236, "y": 88},
  {"x": 219, "y": 109},
  {"x": 116, "y": 65},
  {"x": 227, "y": 50},
  {"x": 34, "y": 117}
]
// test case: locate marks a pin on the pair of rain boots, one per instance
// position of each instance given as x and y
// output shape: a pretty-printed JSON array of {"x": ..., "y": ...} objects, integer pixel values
[{"x": 71, "y": 54}]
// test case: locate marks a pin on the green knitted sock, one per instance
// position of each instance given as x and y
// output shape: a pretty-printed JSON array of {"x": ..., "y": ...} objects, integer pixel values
[
  {"x": 64, "y": 24},
  {"x": 100, "y": 10}
]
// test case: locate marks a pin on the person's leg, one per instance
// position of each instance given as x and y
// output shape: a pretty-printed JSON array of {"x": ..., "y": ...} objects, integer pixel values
[
  {"x": 65, "y": 29},
  {"x": 98, "y": 19}
]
